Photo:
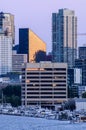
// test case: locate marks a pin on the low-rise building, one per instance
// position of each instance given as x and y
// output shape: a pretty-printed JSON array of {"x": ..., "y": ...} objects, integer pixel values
[
  {"x": 80, "y": 104},
  {"x": 17, "y": 61}
]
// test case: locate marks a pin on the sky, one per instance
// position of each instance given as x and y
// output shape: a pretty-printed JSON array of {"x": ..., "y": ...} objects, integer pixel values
[{"x": 37, "y": 14}]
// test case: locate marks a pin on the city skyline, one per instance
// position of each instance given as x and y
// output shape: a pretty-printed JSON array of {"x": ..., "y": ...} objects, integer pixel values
[{"x": 37, "y": 16}]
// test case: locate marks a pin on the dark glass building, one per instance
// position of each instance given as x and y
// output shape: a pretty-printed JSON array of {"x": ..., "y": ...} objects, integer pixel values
[
  {"x": 81, "y": 63},
  {"x": 32, "y": 45},
  {"x": 74, "y": 80},
  {"x": 82, "y": 52}
]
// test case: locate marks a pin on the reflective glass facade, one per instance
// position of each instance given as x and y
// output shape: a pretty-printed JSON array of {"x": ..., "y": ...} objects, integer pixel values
[{"x": 30, "y": 44}]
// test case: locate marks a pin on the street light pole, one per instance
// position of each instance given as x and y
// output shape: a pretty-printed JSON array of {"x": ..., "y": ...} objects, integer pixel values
[{"x": 2, "y": 97}]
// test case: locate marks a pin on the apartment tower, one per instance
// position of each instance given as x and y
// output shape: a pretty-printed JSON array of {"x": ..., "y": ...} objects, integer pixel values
[{"x": 64, "y": 37}]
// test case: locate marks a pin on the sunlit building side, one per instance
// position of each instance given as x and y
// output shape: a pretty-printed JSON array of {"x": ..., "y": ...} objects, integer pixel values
[{"x": 30, "y": 44}]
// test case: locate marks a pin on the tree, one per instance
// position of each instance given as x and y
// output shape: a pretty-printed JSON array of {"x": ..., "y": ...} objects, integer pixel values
[
  {"x": 84, "y": 95},
  {"x": 12, "y": 94},
  {"x": 40, "y": 56},
  {"x": 69, "y": 105}
]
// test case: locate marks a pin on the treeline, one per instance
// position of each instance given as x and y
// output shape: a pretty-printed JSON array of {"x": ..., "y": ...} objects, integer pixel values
[{"x": 11, "y": 94}]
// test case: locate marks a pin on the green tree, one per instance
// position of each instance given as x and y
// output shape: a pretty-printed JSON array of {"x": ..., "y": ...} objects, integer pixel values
[
  {"x": 12, "y": 94},
  {"x": 84, "y": 95}
]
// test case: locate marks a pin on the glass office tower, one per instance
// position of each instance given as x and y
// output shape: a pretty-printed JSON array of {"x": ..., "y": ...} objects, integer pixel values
[
  {"x": 30, "y": 44},
  {"x": 64, "y": 37},
  {"x": 5, "y": 54}
]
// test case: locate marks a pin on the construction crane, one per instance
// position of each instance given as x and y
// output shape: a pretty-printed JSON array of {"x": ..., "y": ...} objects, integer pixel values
[{"x": 81, "y": 34}]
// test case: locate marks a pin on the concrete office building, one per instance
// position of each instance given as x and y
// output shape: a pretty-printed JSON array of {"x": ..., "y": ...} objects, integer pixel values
[
  {"x": 64, "y": 37},
  {"x": 7, "y": 25},
  {"x": 44, "y": 83},
  {"x": 17, "y": 61},
  {"x": 5, "y": 54},
  {"x": 30, "y": 44}
]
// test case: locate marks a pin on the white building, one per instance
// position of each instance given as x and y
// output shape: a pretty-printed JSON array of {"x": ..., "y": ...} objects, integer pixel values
[
  {"x": 4, "y": 80},
  {"x": 77, "y": 76},
  {"x": 5, "y": 54},
  {"x": 80, "y": 104}
]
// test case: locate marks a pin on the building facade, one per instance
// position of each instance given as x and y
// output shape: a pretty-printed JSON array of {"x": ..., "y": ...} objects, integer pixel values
[
  {"x": 5, "y": 54},
  {"x": 74, "y": 80},
  {"x": 75, "y": 76},
  {"x": 81, "y": 90},
  {"x": 44, "y": 83},
  {"x": 81, "y": 63},
  {"x": 30, "y": 44},
  {"x": 80, "y": 104},
  {"x": 82, "y": 52},
  {"x": 17, "y": 61},
  {"x": 7, "y": 25},
  {"x": 64, "y": 37}
]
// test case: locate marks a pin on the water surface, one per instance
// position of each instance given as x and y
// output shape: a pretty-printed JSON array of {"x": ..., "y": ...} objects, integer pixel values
[{"x": 28, "y": 123}]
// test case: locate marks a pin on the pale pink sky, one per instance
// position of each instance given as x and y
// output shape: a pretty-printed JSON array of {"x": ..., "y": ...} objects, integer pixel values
[{"x": 36, "y": 14}]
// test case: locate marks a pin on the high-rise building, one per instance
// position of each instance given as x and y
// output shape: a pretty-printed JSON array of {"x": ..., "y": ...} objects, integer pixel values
[
  {"x": 7, "y": 39},
  {"x": 44, "y": 83},
  {"x": 31, "y": 44},
  {"x": 7, "y": 25},
  {"x": 82, "y": 52},
  {"x": 64, "y": 37},
  {"x": 5, "y": 54}
]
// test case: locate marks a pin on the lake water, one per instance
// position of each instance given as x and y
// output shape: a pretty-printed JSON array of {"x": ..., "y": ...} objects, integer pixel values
[{"x": 28, "y": 123}]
